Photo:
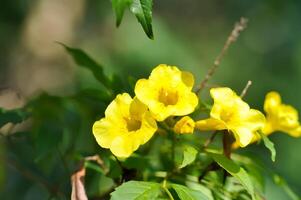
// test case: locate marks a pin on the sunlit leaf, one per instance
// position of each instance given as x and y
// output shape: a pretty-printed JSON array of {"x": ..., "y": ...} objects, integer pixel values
[
  {"x": 136, "y": 190},
  {"x": 143, "y": 12},
  {"x": 189, "y": 155},
  {"x": 269, "y": 144},
  {"x": 119, "y": 6},
  {"x": 82, "y": 59},
  {"x": 235, "y": 170},
  {"x": 185, "y": 193}
]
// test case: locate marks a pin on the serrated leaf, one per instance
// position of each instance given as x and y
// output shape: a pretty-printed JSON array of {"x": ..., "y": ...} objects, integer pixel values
[
  {"x": 136, "y": 190},
  {"x": 142, "y": 9},
  {"x": 14, "y": 116},
  {"x": 268, "y": 144},
  {"x": 235, "y": 170},
  {"x": 119, "y": 6},
  {"x": 185, "y": 193},
  {"x": 189, "y": 155},
  {"x": 82, "y": 59}
]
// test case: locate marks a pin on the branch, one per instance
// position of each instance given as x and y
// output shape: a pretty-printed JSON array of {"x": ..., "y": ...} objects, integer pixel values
[
  {"x": 209, "y": 140},
  {"x": 244, "y": 91},
  {"x": 239, "y": 27}
]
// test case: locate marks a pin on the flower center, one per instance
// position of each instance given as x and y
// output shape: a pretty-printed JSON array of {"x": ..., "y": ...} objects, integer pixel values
[
  {"x": 226, "y": 115},
  {"x": 132, "y": 124},
  {"x": 168, "y": 97}
]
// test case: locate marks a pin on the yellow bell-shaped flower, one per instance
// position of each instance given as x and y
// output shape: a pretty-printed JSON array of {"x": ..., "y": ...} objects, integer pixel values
[
  {"x": 280, "y": 117},
  {"x": 127, "y": 125},
  {"x": 184, "y": 126},
  {"x": 230, "y": 112},
  {"x": 167, "y": 92}
]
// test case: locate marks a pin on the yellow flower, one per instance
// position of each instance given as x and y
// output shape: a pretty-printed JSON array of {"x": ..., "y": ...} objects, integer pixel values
[
  {"x": 167, "y": 92},
  {"x": 184, "y": 125},
  {"x": 280, "y": 117},
  {"x": 230, "y": 112},
  {"x": 127, "y": 125}
]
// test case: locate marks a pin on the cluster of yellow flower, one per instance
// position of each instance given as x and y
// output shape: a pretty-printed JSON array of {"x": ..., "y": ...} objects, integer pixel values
[{"x": 129, "y": 123}]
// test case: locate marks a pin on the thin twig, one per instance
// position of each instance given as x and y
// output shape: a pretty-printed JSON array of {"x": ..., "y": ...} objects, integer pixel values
[
  {"x": 211, "y": 167},
  {"x": 99, "y": 161},
  {"x": 244, "y": 91},
  {"x": 209, "y": 140},
  {"x": 239, "y": 26}
]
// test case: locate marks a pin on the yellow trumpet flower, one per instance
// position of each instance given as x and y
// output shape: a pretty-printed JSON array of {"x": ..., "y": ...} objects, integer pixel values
[
  {"x": 127, "y": 125},
  {"x": 280, "y": 117},
  {"x": 184, "y": 125},
  {"x": 167, "y": 92},
  {"x": 230, "y": 112}
]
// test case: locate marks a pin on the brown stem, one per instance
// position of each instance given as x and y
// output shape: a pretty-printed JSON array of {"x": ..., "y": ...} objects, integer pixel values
[
  {"x": 209, "y": 140},
  {"x": 239, "y": 26},
  {"x": 227, "y": 141}
]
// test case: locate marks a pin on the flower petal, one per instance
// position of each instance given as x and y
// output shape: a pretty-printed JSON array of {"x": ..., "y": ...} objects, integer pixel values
[
  {"x": 186, "y": 105},
  {"x": 210, "y": 124},
  {"x": 119, "y": 107},
  {"x": 222, "y": 94},
  {"x": 243, "y": 136},
  {"x": 122, "y": 146},
  {"x": 102, "y": 133},
  {"x": 184, "y": 125},
  {"x": 295, "y": 132},
  {"x": 137, "y": 108},
  {"x": 254, "y": 120},
  {"x": 187, "y": 79},
  {"x": 272, "y": 100},
  {"x": 147, "y": 130}
]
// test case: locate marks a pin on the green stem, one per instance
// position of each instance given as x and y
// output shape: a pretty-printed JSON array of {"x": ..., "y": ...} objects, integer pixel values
[{"x": 164, "y": 186}]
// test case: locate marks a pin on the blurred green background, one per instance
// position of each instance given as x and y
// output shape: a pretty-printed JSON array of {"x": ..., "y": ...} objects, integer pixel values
[{"x": 188, "y": 34}]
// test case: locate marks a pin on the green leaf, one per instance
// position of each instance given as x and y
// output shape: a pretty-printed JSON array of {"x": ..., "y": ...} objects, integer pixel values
[
  {"x": 185, "y": 193},
  {"x": 235, "y": 170},
  {"x": 142, "y": 9},
  {"x": 14, "y": 116},
  {"x": 194, "y": 184},
  {"x": 268, "y": 144},
  {"x": 283, "y": 184},
  {"x": 136, "y": 190},
  {"x": 119, "y": 6},
  {"x": 189, "y": 155},
  {"x": 95, "y": 167},
  {"x": 83, "y": 60}
]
